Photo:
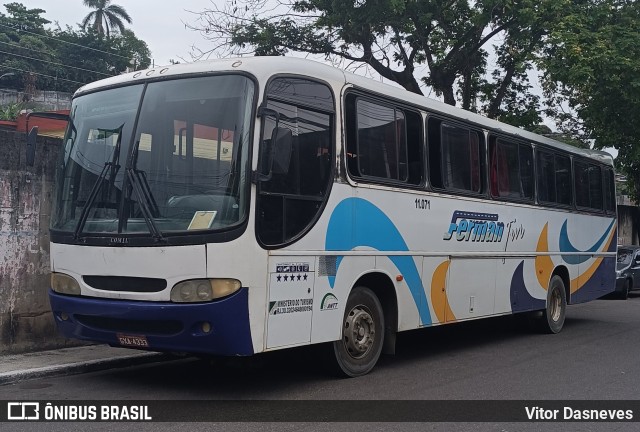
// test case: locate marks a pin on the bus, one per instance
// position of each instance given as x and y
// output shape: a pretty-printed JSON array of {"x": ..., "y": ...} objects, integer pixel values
[{"x": 239, "y": 206}]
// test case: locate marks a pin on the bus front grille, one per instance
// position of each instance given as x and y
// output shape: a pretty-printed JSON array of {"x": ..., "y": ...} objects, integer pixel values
[
  {"x": 147, "y": 327},
  {"x": 125, "y": 283}
]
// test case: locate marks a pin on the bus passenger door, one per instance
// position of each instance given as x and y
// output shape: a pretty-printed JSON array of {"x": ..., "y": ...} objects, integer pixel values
[{"x": 290, "y": 303}]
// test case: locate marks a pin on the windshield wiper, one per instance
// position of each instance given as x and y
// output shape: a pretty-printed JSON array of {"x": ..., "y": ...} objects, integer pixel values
[
  {"x": 145, "y": 199},
  {"x": 109, "y": 167}
]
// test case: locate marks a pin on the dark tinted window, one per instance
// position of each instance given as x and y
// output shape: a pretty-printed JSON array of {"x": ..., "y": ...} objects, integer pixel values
[
  {"x": 588, "y": 184},
  {"x": 454, "y": 157},
  {"x": 384, "y": 142},
  {"x": 511, "y": 170},
  {"x": 546, "y": 177},
  {"x": 609, "y": 191},
  {"x": 301, "y": 92},
  {"x": 291, "y": 199},
  {"x": 563, "y": 180},
  {"x": 554, "y": 178}
]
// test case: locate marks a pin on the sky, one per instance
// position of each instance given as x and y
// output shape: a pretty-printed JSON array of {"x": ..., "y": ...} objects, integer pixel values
[{"x": 159, "y": 23}]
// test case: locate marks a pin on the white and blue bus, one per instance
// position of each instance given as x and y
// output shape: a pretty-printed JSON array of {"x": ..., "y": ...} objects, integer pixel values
[{"x": 240, "y": 206}]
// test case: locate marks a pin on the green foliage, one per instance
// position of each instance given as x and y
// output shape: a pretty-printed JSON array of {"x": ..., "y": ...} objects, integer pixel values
[
  {"x": 67, "y": 58},
  {"x": 592, "y": 66},
  {"x": 10, "y": 111},
  {"x": 396, "y": 38},
  {"x": 105, "y": 17}
]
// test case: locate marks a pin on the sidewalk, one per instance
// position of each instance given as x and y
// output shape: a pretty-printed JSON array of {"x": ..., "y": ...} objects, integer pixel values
[{"x": 66, "y": 361}]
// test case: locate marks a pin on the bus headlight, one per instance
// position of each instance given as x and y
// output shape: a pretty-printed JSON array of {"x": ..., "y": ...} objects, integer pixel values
[
  {"x": 203, "y": 290},
  {"x": 64, "y": 284}
]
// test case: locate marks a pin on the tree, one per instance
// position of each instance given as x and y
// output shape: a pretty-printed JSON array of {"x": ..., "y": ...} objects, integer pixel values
[
  {"x": 395, "y": 38},
  {"x": 21, "y": 47},
  {"x": 61, "y": 59},
  {"x": 592, "y": 78},
  {"x": 106, "y": 16},
  {"x": 95, "y": 57}
]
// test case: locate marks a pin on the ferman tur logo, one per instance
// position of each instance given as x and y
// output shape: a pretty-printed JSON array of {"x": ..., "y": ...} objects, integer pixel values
[
  {"x": 329, "y": 302},
  {"x": 23, "y": 411},
  {"x": 473, "y": 226}
]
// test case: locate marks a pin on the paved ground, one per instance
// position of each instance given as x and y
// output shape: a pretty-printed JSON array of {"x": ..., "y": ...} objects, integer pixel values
[{"x": 14, "y": 368}]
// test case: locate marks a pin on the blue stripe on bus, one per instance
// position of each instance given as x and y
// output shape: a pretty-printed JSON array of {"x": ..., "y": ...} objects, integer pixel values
[
  {"x": 356, "y": 222},
  {"x": 566, "y": 246}
]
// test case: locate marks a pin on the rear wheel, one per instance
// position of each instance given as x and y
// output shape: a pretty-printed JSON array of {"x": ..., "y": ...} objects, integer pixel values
[
  {"x": 552, "y": 319},
  {"x": 359, "y": 348}
]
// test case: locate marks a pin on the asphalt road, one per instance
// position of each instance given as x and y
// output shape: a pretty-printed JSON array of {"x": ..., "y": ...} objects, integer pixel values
[{"x": 595, "y": 357}]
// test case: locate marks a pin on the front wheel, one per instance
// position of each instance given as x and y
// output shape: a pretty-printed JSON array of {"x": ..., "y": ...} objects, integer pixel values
[
  {"x": 359, "y": 348},
  {"x": 553, "y": 316}
]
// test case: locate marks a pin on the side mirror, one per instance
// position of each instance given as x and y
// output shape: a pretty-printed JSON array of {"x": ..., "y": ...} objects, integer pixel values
[{"x": 31, "y": 146}]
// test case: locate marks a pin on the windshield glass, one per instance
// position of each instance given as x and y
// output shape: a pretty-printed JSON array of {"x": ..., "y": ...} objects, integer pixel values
[
  {"x": 183, "y": 169},
  {"x": 624, "y": 257}
]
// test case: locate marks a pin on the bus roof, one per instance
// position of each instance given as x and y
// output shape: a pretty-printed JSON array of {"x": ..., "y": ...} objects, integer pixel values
[{"x": 264, "y": 67}]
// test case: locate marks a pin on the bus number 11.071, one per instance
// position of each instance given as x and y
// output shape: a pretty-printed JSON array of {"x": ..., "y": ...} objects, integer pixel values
[{"x": 423, "y": 204}]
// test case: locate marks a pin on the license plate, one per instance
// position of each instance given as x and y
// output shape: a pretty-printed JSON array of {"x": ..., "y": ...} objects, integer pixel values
[{"x": 135, "y": 341}]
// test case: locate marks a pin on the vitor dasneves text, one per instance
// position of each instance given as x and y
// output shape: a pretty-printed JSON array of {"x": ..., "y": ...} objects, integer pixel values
[{"x": 569, "y": 413}]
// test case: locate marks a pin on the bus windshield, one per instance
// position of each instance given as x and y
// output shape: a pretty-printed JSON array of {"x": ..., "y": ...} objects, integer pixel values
[{"x": 166, "y": 157}]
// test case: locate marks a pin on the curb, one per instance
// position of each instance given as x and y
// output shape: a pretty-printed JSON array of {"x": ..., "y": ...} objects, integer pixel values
[{"x": 82, "y": 367}]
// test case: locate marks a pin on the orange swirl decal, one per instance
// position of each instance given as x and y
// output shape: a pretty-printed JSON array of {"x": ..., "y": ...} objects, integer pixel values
[
  {"x": 544, "y": 264},
  {"x": 439, "y": 298}
]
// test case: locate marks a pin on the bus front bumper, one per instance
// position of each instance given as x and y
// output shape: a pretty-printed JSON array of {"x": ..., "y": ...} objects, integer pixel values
[{"x": 216, "y": 328}]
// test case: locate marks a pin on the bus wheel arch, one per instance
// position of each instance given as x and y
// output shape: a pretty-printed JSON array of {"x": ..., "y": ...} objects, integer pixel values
[
  {"x": 563, "y": 272},
  {"x": 370, "y": 315},
  {"x": 383, "y": 287}
]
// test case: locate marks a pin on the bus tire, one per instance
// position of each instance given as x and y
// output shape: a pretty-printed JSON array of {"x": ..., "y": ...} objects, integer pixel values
[
  {"x": 552, "y": 319},
  {"x": 362, "y": 334}
]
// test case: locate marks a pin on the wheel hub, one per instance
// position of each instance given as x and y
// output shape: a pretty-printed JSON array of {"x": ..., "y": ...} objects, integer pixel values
[{"x": 359, "y": 332}]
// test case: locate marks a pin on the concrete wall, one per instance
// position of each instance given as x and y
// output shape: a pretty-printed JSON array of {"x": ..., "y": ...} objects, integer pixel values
[
  {"x": 628, "y": 225},
  {"x": 40, "y": 101},
  {"x": 26, "y": 323}
]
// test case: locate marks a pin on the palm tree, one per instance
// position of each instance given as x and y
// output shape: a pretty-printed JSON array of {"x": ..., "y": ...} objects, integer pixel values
[{"x": 105, "y": 12}]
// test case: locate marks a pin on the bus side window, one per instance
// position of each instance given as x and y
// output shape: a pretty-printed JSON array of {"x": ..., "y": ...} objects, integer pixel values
[
  {"x": 546, "y": 177},
  {"x": 588, "y": 184},
  {"x": 433, "y": 145},
  {"x": 454, "y": 154},
  {"x": 554, "y": 178},
  {"x": 511, "y": 174},
  {"x": 383, "y": 141},
  {"x": 563, "y": 180},
  {"x": 292, "y": 198},
  {"x": 609, "y": 191},
  {"x": 415, "y": 152}
]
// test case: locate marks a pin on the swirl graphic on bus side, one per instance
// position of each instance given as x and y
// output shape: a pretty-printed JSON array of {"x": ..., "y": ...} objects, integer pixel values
[{"x": 356, "y": 222}]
